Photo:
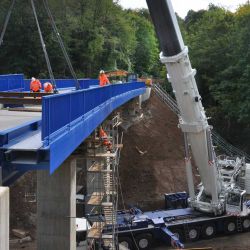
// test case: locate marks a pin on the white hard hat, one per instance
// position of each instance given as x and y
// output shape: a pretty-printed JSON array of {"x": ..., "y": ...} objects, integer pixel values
[
  {"x": 33, "y": 79},
  {"x": 102, "y": 72},
  {"x": 45, "y": 85}
]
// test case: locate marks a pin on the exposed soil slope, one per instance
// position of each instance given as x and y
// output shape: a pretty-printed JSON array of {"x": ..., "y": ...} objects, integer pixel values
[{"x": 146, "y": 177}]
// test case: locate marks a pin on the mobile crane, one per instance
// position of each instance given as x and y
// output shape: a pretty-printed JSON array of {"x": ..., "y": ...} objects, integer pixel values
[
  {"x": 219, "y": 206},
  {"x": 220, "y": 186}
]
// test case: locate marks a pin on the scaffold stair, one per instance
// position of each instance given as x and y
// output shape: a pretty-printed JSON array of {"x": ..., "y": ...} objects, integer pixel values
[
  {"x": 96, "y": 230},
  {"x": 96, "y": 198},
  {"x": 96, "y": 167},
  {"x": 108, "y": 241},
  {"x": 109, "y": 213},
  {"x": 100, "y": 155},
  {"x": 109, "y": 183}
]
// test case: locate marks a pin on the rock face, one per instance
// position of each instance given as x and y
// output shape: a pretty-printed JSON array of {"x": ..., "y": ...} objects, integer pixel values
[{"x": 152, "y": 159}]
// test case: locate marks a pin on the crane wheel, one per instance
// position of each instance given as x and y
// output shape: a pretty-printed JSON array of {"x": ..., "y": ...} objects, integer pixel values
[
  {"x": 126, "y": 242},
  {"x": 208, "y": 231},
  {"x": 230, "y": 226},
  {"x": 193, "y": 233},
  {"x": 246, "y": 224},
  {"x": 144, "y": 241}
]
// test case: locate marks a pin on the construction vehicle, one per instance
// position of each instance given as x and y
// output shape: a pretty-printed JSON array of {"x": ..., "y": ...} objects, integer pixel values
[
  {"x": 219, "y": 205},
  {"x": 118, "y": 76},
  {"x": 223, "y": 181}
]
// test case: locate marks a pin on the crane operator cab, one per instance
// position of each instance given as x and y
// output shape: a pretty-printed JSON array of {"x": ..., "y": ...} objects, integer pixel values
[{"x": 236, "y": 202}]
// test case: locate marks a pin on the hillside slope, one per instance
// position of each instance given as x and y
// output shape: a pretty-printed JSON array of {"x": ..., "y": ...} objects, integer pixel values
[{"x": 146, "y": 177}]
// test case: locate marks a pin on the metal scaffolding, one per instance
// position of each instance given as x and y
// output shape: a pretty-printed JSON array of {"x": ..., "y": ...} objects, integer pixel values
[{"x": 102, "y": 185}]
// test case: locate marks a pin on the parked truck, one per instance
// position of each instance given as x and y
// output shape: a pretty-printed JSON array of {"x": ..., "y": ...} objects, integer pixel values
[{"x": 218, "y": 206}]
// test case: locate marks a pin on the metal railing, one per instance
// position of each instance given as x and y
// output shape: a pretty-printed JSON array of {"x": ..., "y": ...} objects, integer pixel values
[
  {"x": 63, "y": 111},
  {"x": 65, "y": 83},
  {"x": 218, "y": 141},
  {"x": 13, "y": 82}
]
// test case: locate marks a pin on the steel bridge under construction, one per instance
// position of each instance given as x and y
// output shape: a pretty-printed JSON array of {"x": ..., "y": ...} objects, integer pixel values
[
  {"x": 33, "y": 140},
  {"x": 40, "y": 131}
]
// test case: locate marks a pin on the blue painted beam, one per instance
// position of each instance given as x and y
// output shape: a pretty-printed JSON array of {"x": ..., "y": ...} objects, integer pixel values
[
  {"x": 9, "y": 134},
  {"x": 67, "y": 120},
  {"x": 69, "y": 138},
  {"x": 175, "y": 242}
]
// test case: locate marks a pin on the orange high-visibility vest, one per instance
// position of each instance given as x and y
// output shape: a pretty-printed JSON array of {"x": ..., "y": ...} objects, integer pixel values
[
  {"x": 104, "y": 137},
  {"x": 35, "y": 85},
  {"x": 103, "y": 79},
  {"x": 48, "y": 88},
  {"x": 103, "y": 134}
]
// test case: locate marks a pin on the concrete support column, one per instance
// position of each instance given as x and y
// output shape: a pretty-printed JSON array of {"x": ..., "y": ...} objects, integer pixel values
[
  {"x": 4, "y": 218},
  {"x": 56, "y": 208},
  {"x": 140, "y": 101}
]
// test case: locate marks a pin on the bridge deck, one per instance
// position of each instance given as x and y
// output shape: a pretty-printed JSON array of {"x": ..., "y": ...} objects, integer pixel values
[
  {"x": 34, "y": 140},
  {"x": 30, "y": 141},
  {"x": 12, "y": 119}
]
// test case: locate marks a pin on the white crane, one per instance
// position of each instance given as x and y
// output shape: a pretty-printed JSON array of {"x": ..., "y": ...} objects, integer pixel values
[{"x": 221, "y": 189}]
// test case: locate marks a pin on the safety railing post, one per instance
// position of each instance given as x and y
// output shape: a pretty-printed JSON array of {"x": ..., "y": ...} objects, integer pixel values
[{"x": 70, "y": 111}]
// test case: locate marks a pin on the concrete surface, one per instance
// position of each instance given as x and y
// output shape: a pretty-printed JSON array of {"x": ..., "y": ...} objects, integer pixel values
[
  {"x": 4, "y": 218},
  {"x": 56, "y": 208},
  {"x": 11, "y": 119}
]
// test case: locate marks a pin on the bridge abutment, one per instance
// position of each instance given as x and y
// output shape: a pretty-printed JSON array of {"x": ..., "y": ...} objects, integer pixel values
[
  {"x": 4, "y": 218},
  {"x": 56, "y": 208}
]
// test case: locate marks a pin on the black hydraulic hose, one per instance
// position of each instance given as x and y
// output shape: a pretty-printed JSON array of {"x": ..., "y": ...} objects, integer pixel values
[
  {"x": 44, "y": 47},
  {"x": 46, "y": 5},
  {"x": 6, "y": 21}
]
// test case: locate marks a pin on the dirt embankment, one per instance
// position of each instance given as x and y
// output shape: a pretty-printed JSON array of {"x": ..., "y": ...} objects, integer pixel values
[
  {"x": 23, "y": 202},
  {"x": 152, "y": 159}
]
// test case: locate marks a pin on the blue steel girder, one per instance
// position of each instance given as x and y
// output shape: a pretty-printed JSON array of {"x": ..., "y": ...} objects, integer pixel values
[
  {"x": 65, "y": 140},
  {"x": 67, "y": 120}
]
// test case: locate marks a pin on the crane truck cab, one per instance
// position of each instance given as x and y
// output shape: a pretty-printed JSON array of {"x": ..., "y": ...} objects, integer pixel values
[{"x": 236, "y": 202}]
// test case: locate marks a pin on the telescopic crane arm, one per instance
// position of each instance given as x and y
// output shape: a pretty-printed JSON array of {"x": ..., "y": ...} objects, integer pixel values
[{"x": 193, "y": 121}]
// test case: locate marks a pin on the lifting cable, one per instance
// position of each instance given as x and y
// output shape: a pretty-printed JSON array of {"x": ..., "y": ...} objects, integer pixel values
[
  {"x": 44, "y": 47},
  {"x": 46, "y": 5},
  {"x": 6, "y": 21}
]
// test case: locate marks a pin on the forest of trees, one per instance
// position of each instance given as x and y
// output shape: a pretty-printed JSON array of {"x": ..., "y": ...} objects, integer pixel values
[{"x": 99, "y": 34}]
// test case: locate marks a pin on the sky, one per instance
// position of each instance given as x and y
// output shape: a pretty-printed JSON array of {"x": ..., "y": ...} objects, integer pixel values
[{"x": 183, "y": 6}]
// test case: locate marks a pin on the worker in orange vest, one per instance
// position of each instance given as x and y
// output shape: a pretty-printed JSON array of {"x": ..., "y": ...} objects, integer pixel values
[
  {"x": 48, "y": 87},
  {"x": 103, "y": 79},
  {"x": 35, "y": 85},
  {"x": 103, "y": 135}
]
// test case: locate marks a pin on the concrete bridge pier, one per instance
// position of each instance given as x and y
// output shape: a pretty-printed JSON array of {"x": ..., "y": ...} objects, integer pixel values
[
  {"x": 56, "y": 208},
  {"x": 4, "y": 218}
]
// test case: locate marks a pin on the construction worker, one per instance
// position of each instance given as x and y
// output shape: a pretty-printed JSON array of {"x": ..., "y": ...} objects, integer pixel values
[
  {"x": 103, "y": 79},
  {"x": 35, "y": 85},
  {"x": 48, "y": 87},
  {"x": 104, "y": 137}
]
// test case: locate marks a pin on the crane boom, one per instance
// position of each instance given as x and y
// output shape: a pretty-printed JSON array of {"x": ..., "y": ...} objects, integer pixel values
[{"x": 193, "y": 121}]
